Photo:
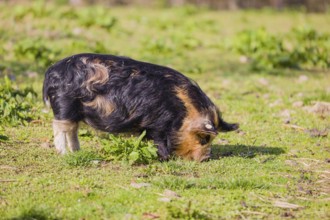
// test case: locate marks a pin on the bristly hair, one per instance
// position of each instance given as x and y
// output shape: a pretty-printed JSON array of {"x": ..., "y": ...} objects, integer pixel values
[{"x": 119, "y": 94}]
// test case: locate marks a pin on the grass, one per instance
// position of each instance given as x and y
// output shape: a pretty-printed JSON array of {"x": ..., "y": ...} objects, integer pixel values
[{"x": 268, "y": 170}]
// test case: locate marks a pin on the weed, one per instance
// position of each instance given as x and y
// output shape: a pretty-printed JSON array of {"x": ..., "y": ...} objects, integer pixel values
[
  {"x": 36, "y": 50},
  {"x": 37, "y": 9},
  {"x": 132, "y": 150},
  {"x": 16, "y": 105},
  {"x": 300, "y": 48},
  {"x": 97, "y": 16}
]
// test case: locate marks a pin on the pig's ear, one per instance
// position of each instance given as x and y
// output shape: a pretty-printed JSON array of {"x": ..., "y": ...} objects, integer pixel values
[{"x": 225, "y": 127}]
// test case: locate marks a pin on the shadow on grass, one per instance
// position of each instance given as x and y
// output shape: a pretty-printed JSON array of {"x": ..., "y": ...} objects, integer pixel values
[
  {"x": 232, "y": 67},
  {"x": 35, "y": 213},
  {"x": 245, "y": 151},
  {"x": 3, "y": 138}
]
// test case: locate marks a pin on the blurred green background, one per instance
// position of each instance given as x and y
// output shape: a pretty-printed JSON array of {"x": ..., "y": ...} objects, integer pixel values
[{"x": 264, "y": 63}]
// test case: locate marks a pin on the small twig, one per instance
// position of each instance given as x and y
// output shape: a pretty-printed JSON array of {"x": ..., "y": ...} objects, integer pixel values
[
  {"x": 323, "y": 181},
  {"x": 305, "y": 164},
  {"x": 324, "y": 176},
  {"x": 255, "y": 213},
  {"x": 303, "y": 158},
  {"x": 308, "y": 199},
  {"x": 36, "y": 122},
  {"x": 322, "y": 171},
  {"x": 296, "y": 127},
  {"x": 286, "y": 205},
  {"x": 7, "y": 167},
  {"x": 4, "y": 181},
  {"x": 262, "y": 199}
]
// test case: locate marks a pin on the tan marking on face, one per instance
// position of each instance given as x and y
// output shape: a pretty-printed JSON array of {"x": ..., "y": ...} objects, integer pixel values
[
  {"x": 189, "y": 146},
  {"x": 101, "y": 104},
  {"x": 97, "y": 74},
  {"x": 197, "y": 152}
]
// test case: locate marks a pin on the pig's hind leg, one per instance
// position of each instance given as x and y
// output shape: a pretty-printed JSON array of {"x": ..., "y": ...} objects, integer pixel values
[
  {"x": 65, "y": 124},
  {"x": 65, "y": 135}
]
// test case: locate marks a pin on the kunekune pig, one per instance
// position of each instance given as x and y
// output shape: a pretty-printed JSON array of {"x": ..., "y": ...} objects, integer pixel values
[{"x": 118, "y": 94}]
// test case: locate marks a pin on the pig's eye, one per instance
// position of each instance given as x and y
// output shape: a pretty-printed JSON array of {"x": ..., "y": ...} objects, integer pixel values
[{"x": 204, "y": 139}]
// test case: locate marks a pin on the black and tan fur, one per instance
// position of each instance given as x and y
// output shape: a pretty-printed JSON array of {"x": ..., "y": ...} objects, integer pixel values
[{"x": 119, "y": 94}]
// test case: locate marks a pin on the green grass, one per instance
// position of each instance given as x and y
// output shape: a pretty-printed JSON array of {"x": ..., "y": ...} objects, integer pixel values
[{"x": 251, "y": 171}]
